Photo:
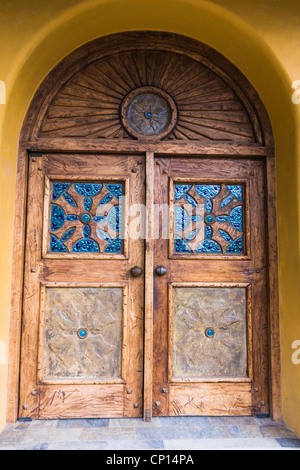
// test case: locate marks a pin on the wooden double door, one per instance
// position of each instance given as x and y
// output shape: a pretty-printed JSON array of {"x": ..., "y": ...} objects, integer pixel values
[{"x": 144, "y": 287}]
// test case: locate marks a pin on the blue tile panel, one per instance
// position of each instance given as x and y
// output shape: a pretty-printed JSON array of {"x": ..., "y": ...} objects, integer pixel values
[
  {"x": 86, "y": 218},
  {"x": 223, "y": 219}
]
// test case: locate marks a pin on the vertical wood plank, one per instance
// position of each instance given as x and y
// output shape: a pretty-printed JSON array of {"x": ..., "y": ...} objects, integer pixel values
[
  {"x": 17, "y": 288},
  {"x": 135, "y": 191},
  {"x": 149, "y": 266},
  {"x": 274, "y": 320},
  {"x": 29, "y": 399},
  {"x": 161, "y": 307}
]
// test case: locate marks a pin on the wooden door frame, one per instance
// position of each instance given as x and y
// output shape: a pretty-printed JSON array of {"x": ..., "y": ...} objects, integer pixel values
[{"x": 264, "y": 150}]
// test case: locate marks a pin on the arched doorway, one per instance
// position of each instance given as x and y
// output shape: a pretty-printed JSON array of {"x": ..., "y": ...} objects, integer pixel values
[{"x": 176, "y": 321}]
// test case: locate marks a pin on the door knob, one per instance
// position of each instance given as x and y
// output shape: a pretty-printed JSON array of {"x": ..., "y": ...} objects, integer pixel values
[
  {"x": 161, "y": 270},
  {"x": 136, "y": 271}
]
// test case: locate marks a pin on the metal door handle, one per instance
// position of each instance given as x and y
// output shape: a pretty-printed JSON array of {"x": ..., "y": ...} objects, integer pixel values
[
  {"x": 136, "y": 271},
  {"x": 161, "y": 270}
]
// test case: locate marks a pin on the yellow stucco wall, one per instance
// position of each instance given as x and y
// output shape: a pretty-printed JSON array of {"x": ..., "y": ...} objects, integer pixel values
[{"x": 261, "y": 37}]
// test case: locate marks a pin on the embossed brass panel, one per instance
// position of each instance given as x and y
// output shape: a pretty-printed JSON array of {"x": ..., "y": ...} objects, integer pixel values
[
  {"x": 71, "y": 310},
  {"x": 209, "y": 332}
]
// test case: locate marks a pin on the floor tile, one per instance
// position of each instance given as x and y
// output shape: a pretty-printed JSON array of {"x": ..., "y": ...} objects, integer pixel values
[
  {"x": 24, "y": 446},
  {"x": 53, "y": 435},
  {"x": 44, "y": 424},
  {"x": 232, "y": 421},
  {"x": 268, "y": 422},
  {"x": 178, "y": 433},
  {"x": 136, "y": 445},
  {"x": 221, "y": 444},
  {"x": 135, "y": 422},
  {"x": 13, "y": 435},
  {"x": 108, "y": 434},
  {"x": 98, "y": 445},
  {"x": 10, "y": 446},
  {"x": 10, "y": 426},
  {"x": 228, "y": 431},
  {"x": 246, "y": 444},
  {"x": 192, "y": 444},
  {"x": 163, "y": 433},
  {"x": 83, "y": 423},
  {"x": 250, "y": 432},
  {"x": 277, "y": 432},
  {"x": 289, "y": 443},
  {"x": 211, "y": 433},
  {"x": 22, "y": 425},
  {"x": 43, "y": 446},
  {"x": 200, "y": 421}
]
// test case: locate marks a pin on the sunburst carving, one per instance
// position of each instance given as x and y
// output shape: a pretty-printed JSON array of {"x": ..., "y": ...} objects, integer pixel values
[{"x": 89, "y": 105}]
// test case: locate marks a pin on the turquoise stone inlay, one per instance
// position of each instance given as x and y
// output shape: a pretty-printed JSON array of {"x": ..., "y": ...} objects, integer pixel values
[
  {"x": 223, "y": 231},
  {"x": 82, "y": 333},
  {"x": 87, "y": 190},
  {"x": 114, "y": 218},
  {"x": 88, "y": 203},
  {"x": 86, "y": 218},
  {"x": 85, "y": 245},
  {"x": 58, "y": 189},
  {"x": 115, "y": 189},
  {"x": 72, "y": 218},
  {"x": 236, "y": 218},
  {"x": 114, "y": 247},
  {"x": 56, "y": 246},
  {"x": 236, "y": 246},
  {"x": 181, "y": 246},
  {"x": 236, "y": 192},
  {"x": 225, "y": 235},
  {"x": 209, "y": 219},
  {"x": 222, "y": 218},
  {"x": 210, "y": 333},
  {"x": 182, "y": 219},
  {"x": 95, "y": 209},
  {"x": 208, "y": 205},
  {"x": 68, "y": 234},
  {"x": 180, "y": 190},
  {"x": 57, "y": 217},
  {"x": 86, "y": 231},
  {"x": 208, "y": 246},
  {"x": 69, "y": 199},
  {"x": 208, "y": 232},
  {"x": 207, "y": 190}
]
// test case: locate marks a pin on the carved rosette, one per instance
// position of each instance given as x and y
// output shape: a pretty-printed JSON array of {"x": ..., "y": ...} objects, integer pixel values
[{"x": 148, "y": 112}]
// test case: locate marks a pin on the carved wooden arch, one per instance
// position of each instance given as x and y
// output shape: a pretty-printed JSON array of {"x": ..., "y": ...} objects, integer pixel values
[
  {"x": 82, "y": 97},
  {"x": 77, "y": 109}
]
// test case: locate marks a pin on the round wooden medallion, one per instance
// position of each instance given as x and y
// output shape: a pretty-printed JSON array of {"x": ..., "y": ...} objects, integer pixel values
[{"x": 148, "y": 112}]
